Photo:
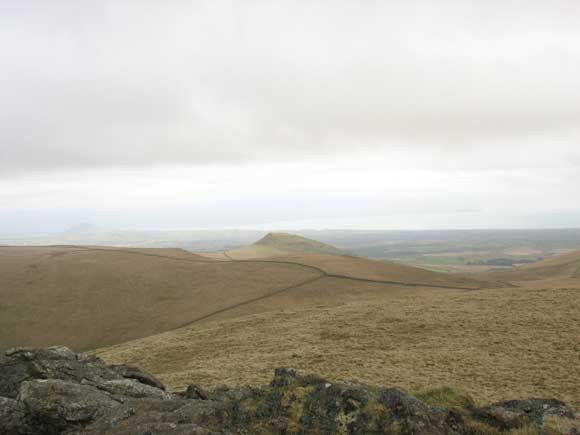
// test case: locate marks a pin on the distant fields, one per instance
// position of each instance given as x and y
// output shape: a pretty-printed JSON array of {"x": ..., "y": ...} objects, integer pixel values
[{"x": 444, "y": 250}]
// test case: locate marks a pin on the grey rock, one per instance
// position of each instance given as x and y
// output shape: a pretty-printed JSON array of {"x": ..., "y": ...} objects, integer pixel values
[
  {"x": 130, "y": 372},
  {"x": 23, "y": 364},
  {"x": 517, "y": 413},
  {"x": 160, "y": 417},
  {"x": 12, "y": 420},
  {"x": 57, "y": 392},
  {"x": 134, "y": 389},
  {"x": 195, "y": 392},
  {"x": 54, "y": 405}
]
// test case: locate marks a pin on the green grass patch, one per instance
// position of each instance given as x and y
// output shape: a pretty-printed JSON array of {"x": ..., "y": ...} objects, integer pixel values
[{"x": 447, "y": 397}]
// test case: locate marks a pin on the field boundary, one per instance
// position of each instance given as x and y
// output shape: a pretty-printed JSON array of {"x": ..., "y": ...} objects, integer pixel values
[
  {"x": 351, "y": 278},
  {"x": 249, "y": 301}
]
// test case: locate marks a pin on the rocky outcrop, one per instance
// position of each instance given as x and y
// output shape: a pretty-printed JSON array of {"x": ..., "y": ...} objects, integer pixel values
[{"x": 55, "y": 391}]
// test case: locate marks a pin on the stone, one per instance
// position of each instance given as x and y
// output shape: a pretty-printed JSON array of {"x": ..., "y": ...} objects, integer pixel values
[
  {"x": 134, "y": 389},
  {"x": 195, "y": 392},
  {"x": 54, "y": 391},
  {"x": 53, "y": 405},
  {"x": 23, "y": 364},
  {"x": 11, "y": 417},
  {"x": 131, "y": 372}
]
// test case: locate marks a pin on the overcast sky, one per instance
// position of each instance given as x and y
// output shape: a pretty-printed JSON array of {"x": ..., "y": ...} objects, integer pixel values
[{"x": 289, "y": 114}]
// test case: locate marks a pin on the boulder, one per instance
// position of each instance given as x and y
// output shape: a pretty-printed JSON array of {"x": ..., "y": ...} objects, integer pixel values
[
  {"x": 134, "y": 389},
  {"x": 24, "y": 364},
  {"x": 53, "y": 406},
  {"x": 57, "y": 392},
  {"x": 130, "y": 372},
  {"x": 195, "y": 392},
  {"x": 11, "y": 417},
  {"x": 550, "y": 415}
]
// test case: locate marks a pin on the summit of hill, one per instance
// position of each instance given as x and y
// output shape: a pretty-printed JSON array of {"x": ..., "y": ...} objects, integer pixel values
[{"x": 295, "y": 243}]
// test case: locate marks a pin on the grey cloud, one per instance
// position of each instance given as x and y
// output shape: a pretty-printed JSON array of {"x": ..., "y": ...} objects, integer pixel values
[{"x": 100, "y": 84}]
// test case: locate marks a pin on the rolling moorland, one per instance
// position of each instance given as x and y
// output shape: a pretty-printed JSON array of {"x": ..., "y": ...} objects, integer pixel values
[
  {"x": 88, "y": 297},
  {"x": 233, "y": 317},
  {"x": 455, "y": 251}
]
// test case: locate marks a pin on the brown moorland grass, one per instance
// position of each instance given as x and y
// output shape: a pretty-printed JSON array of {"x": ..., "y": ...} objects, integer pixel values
[
  {"x": 85, "y": 298},
  {"x": 322, "y": 293},
  {"x": 253, "y": 252},
  {"x": 279, "y": 244},
  {"x": 295, "y": 243},
  {"x": 364, "y": 268},
  {"x": 493, "y": 344}
]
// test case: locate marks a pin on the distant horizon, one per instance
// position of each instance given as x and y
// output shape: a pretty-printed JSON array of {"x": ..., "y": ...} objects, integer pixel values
[{"x": 273, "y": 230}]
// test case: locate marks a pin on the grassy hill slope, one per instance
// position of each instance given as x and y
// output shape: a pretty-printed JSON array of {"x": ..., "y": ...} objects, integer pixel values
[
  {"x": 495, "y": 344},
  {"x": 85, "y": 298},
  {"x": 345, "y": 266},
  {"x": 559, "y": 267},
  {"x": 295, "y": 243},
  {"x": 88, "y": 297}
]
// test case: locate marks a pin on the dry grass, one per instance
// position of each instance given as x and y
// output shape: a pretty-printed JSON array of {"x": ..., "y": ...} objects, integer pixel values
[
  {"x": 254, "y": 251},
  {"x": 493, "y": 344},
  {"x": 358, "y": 267},
  {"x": 93, "y": 297},
  {"x": 562, "y": 266},
  {"x": 321, "y": 294},
  {"x": 295, "y": 243},
  {"x": 86, "y": 299}
]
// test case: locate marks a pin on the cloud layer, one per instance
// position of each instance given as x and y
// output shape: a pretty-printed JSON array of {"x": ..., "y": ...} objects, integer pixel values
[
  {"x": 113, "y": 84},
  {"x": 270, "y": 113}
]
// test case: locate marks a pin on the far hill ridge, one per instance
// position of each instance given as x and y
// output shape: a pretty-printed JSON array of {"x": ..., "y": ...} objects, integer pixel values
[{"x": 295, "y": 243}]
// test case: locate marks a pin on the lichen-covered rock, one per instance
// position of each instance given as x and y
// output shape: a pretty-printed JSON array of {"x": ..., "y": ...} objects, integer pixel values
[
  {"x": 550, "y": 416},
  {"x": 134, "y": 389},
  {"x": 55, "y": 391},
  {"x": 130, "y": 372},
  {"x": 53, "y": 405},
  {"x": 24, "y": 364},
  {"x": 309, "y": 404},
  {"x": 195, "y": 392},
  {"x": 11, "y": 417},
  {"x": 159, "y": 417}
]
